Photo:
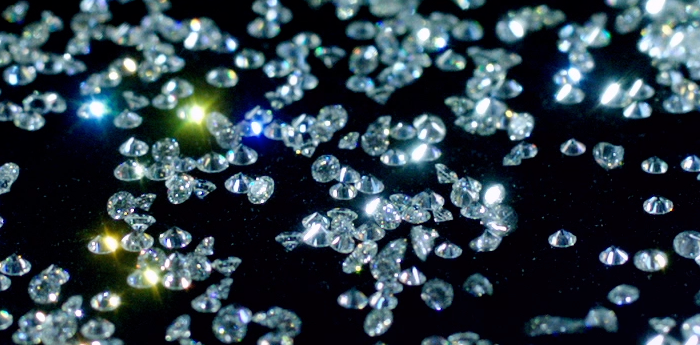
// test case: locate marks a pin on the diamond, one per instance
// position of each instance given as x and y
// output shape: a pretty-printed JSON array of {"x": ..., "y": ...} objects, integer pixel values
[
  {"x": 487, "y": 242},
  {"x": 448, "y": 250},
  {"x": 6, "y": 320},
  {"x": 691, "y": 164},
  {"x": 378, "y": 322},
  {"x": 478, "y": 285},
  {"x": 175, "y": 238},
  {"x": 130, "y": 170},
  {"x": 133, "y": 147},
  {"x": 602, "y": 318},
  {"x": 422, "y": 240},
  {"x": 164, "y": 102},
  {"x": 690, "y": 326},
  {"x": 325, "y": 169},
  {"x": 608, "y": 156},
  {"x": 650, "y": 260},
  {"x": 231, "y": 323},
  {"x": 222, "y": 77},
  {"x": 353, "y": 299},
  {"x": 16, "y": 75},
  {"x": 613, "y": 256},
  {"x": 249, "y": 59},
  {"x": 227, "y": 266},
  {"x": 662, "y": 325},
  {"x": 637, "y": 110},
  {"x": 654, "y": 165},
  {"x": 562, "y": 239},
  {"x": 349, "y": 141},
  {"x": 127, "y": 120},
  {"x": 15, "y": 265},
  {"x": 412, "y": 277},
  {"x": 437, "y": 294},
  {"x": 97, "y": 329},
  {"x": 261, "y": 189},
  {"x": 8, "y": 175},
  {"x": 5, "y": 283},
  {"x": 139, "y": 222},
  {"x": 142, "y": 278},
  {"x": 329, "y": 55},
  {"x": 137, "y": 241},
  {"x": 103, "y": 245},
  {"x": 289, "y": 240},
  {"x": 238, "y": 183},
  {"x": 569, "y": 94},
  {"x": 212, "y": 162},
  {"x": 394, "y": 157},
  {"x": 179, "y": 328},
  {"x": 363, "y": 60},
  {"x": 572, "y": 147},
  {"x": 205, "y": 247},
  {"x": 449, "y": 61},
  {"x": 348, "y": 175},
  {"x": 623, "y": 294},
  {"x": 29, "y": 121},
  {"x": 241, "y": 155},
  {"x": 657, "y": 205},
  {"x": 105, "y": 301},
  {"x": 343, "y": 191},
  {"x": 44, "y": 291},
  {"x": 429, "y": 128},
  {"x": 687, "y": 244},
  {"x": 205, "y": 304},
  {"x": 134, "y": 101}
]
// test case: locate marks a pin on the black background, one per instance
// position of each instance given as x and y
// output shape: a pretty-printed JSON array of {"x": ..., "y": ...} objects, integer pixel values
[{"x": 58, "y": 203}]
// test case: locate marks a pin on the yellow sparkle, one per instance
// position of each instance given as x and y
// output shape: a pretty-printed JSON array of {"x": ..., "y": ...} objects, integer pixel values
[
  {"x": 151, "y": 276},
  {"x": 129, "y": 65},
  {"x": 196, "y": 114},
  {"x": 110, "y": 242}
]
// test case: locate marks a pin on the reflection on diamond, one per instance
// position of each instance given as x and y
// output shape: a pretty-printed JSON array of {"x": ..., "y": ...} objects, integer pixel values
[
  {"x": 613, "y": 256},
  {"x": 657, "y": 205},
  {"x": 105, "y": 301},
  {"x": 562, "y": 239},
  {"x": 654, "y": 165},
  {"x": 650, "y": 260},
  {"x": 623, "y": 294}
]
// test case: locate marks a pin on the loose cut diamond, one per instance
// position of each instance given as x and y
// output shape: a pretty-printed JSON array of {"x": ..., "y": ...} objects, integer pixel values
[
  {"x": 8, "y": 175},
  {"x": 623, "y": 294},
  {"x": 105, "y": 301},
  {"x": 448, "y": 250},
  {"x": 5, "y": 283},
  {"x": 478, "y": 285},
  {"x": 103, "y": 245},
  {"x": 437, "y": 294},
  {"x": 650, "y": 260},
  {"x": 175, "y": 238},
  {"x": 657, "y": 205},
  {"x": 6, "y": 320},
  {"x": 608, "y": 156},
  {"x": 654, "y": 165},
  {"x": 97, "y": 329},
  {"x": 15, "y": 265},
  {"x": 353, "y": 299},
  {"x": 133, "y": 147},
  {"x": 261, "y": 189},
  {"x": 562, "y": 239},
  {"x": 613, "y": 256},
  {"x": 687, "y": 244},
  {"x": 179, "y": 328},
  {"x": 378, "y": 322},
  {"x": 691, "y": 164}
]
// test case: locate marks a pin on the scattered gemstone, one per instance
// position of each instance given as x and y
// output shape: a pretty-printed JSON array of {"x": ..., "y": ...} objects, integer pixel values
[
  {"x": 103, "y": 245},
  {"x": 133, "y": 147},
  {"x": 325, "y": 169},
  {"x": 378, "y": 322},
  {"x": 654, "y": 165},
  {"x": 657, "y": 205},
  {"x": 238, "y": 183},
  {"x": 261, "y": 189},
  {"x": 691, "y": 164},
  {"x": 412, "y": 277},
  {"x": 650, "y": 260},
  {"x": 478, "y": 285},
  {"x": 137, "y": 241},
  {"x": 175, "y": 238},
  {"x": 572, "y": 147},
  {"x": 179, "y": 328},
  {"x": 687, "y": 244},
  {"x": 437, "y": 294},
  {"x": 5, "y": 283},
  {"x": 562, "y": 239},
  {"x": 623, "y": 294},
  {"x": 613, "y": 256},
  {"x": 608, "y": 156},
  {"x": 349, "y": 141},
  {"x": 226, "y": 266},
  {"x": 15, "y": 265},
  {"x": 231, "y": 323},
  {"x": 8, "y": 175},
  {"x": 105, "y": 301},
  {"x": 448, "y": 250},
  {"x": 97, "y": 329},
  {"x": 6, "y": 320},
  {"x": 353, "y": 299},
  {"x": 222, "y": 77},
  {"x": 487, "y": 242}
]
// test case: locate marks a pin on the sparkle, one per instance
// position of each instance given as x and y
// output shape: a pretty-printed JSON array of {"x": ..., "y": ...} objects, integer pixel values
[
  {"x": 151, "y": 276},
  {"x": 494, "y": 195},
  {"x": 609, "y": 94},
  {"x": 418, "y": 153},
  {"x": 371, "y": 206},
  {"x": 196, "y": 114},
  {"x": 97, "y": 109},
  {"x": 111, "y": 243},
  {"x": 129, "y": 65},
  {"x": 654, "y": 6}
]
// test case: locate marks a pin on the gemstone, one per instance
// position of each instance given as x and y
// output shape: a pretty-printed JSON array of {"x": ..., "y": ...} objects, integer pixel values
[
  {"x": 623, "y": 294},
  {"x": 103, "y": 245},
  {"x": 689, "y": 327},
  {"x": 164, "y": 102},
  {"x": 394, "y": 157},
  {"x": 348, "y": 175},
  {"x": 5, "y": 283},
  {"x": 562, "y": 239},
  {"x": 231, "y": 323},
  {"x": 602, "y": 318},
  {"x": 241, "y": 155},
  {"x": 289, "y": 240},
  {"x": 448, "y": 250},
  {"x": 691, "y": 163},
  {"x": 449, "y": 61},
  {"x": 97, "y": 329},
  {"x": 637, "y": 110},
  {"x": 569, "y": 94},
  {"x": 363, "y": 60},
  {"x": 127, "y": 120},
  {"x": 222, "y": 77},
  {"x": 105, "y": 301},
  {"x": 133, "y": 147},
  {"x": 687, "y": 244},
  {"x": 654, "y": 165},
  {"x": 487, "y": 242},
  {"x": 369, "y": 184},
  {"x": 520, "y": 126},
  {"x": 657, "y": 205},
  {"x": 412, "y": 277},
  {"x": 120, "y": 205},
  {"x": 16, "y": 75},
  {"x": 429, "y": 128},
  {"x": 205, "y": 304},
  {"x": 44, "y": 291},
  {"x": 139, "y": 222},
  {"x": 137, "y": 241},
  {"x": 383, "y": 299},
  {"x": 353, "y": 299},
  {"x": 205, "y": 247},
  {"x": 325, "y": 169},
  {"x": 249, "y": 59},
  {"x": 422, "y": 240},
  {"x": 478, "y": 285},
  {"x": 662, "y": 325},
  {"x": 238, "y": 183},
  {"x": 261, "y": 189},
  {"x": 494, "y": 195},
  {"x": 130, "y": 170},
  {"x": 613, "y": 256},
  {"x": 142, "y": 278},
  {"x": 135, "y": 101},
  {"x": 378, "y": 322},
  {"x": 179, "y": 328},
  {"x": 212, "y": 162},
  {"x": 226, "y": 266},
  {"x": 175, "y": 238},
  {"x": 650, "y": 260},
  {"x": 15, "y": 265},
  {"x": 329, "y": 55},
  {"x": 572, "y": 147},
  {"x": 6, "y": 320},
  {"x": 29, "y": 121},
  {"x": 8, "y": 175},
  {"x": 349, "y": 141},
  {"x": 437, "y": 294},
  {"x": 343, "y": 191},
  {"x": 608, "y": 156}
]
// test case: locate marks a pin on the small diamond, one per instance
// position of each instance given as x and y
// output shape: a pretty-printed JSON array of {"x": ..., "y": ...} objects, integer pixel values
[
  {"x": 105, "y": 301},
  {"x": 437, "y": 294},
  {"x": 136, "y": 242},
  {"x": 120, "y": 205},
  {"x": 325, "y": 169},
  {"x": 662, "y": 325},
  {"x": 139, "y": 222},
  {"x": 238, "y": 183},
  {"x": 8, "y": 175},
  {"x": 448, "y": 250},
  {"x": 562, "y": 239},
  {"x": 103, "y": 245},
  {"x": 650, "y": 260},
  {"x": 212, "y": 162},
  {"x": 369, "y": 185},
  {"x": 226, "y": 266},
  {"x": 6, "y": 320},
  {"x": 429, "y": 128},
  {"x": 613, "y": 256},
  {"x": 179, "y": 328},
  {"x": 349, "y": 141},
  {"x": 142, "y": 279},
  {"x": 657, "y": 205},
  {"x": 412, "y": 277},
  {"x": 445, "y": 175},
  {"x": 241, "y": 155},
  {"x": 569, "y": 94},
  {"x": 654, "y": 165},
  {"x": 572, "y": 147},
  {"x": 487, "y": 242},
  {"x": 687, "y": 244},
  {"x": 130, "y": 170},
  {"x": 353, "y": 299},
  {"x": 378, "y": 322},
  {"x": 394, "y": 157},
  {"x": 175, "y": 238},
  {"x": 205, "y": 247},
  {"x": 449, "y": 61},
  {"x": 249, "y": 59},
  {"x": 127, "y": 120},
  {"x": 44, "y": 291},
  {"x": 608, "y": 156},
  {"x": 261, "y": 189},
  {"x": 343, "y": 191},
  {"x": 231, "y": 323},
  {"x": 602, "y": 318},
  {"x": 15, "y": 265},
  {"x": 623, "y": 294},
  {"x": 691, "y": 164},
  {"x": 329, "y": 55},
  {"x": 133, "y": 147},
  {"x": 5, "y": 283},
  {"x": 222, "y": 77},
  {"x": 97, "y": 329},
  {"x": 134, "y": 101},
  {"x": 637, "y": 110},
  {"x": 478, "y": 285},
  {"x": 289, "y": 240}
]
